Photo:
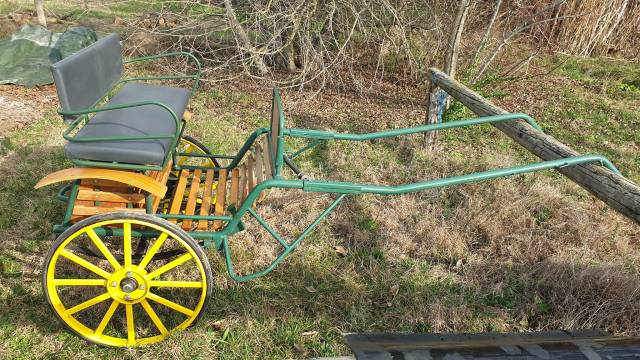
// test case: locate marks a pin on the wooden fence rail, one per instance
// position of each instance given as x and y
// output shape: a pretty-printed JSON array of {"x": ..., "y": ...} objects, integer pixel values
[{"x": 615, "y": 190}]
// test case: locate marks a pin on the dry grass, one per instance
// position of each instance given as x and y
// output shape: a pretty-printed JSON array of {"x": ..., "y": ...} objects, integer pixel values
[{"x": 531, "y": 252}]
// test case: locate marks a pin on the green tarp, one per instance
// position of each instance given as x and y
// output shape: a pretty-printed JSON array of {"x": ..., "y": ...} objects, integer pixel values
[{"x": 26, "y": 58}]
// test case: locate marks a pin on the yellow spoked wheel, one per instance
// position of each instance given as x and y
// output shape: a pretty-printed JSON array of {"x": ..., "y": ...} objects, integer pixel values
[
  {"x": 189, "y": 145},
  {"x": 126, "y": 279}
]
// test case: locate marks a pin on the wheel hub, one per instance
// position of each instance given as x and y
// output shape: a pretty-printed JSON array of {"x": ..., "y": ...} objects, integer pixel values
[{"x": 128, "y": 285}]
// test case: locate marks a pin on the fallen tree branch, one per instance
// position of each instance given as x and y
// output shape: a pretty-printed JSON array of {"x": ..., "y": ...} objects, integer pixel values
[{"x": 615, "y": 190}]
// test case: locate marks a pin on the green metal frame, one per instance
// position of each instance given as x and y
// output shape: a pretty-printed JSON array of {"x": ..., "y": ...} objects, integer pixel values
[{"x": 234, "y": 224}]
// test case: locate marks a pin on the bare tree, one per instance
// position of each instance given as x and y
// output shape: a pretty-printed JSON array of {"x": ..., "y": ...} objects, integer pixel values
[
  {"x": 540, "y": 17},
  {"x": 243, "y": 39},
  {"x": 487, "y": 34},
  {"x": 42, "y": 19},
  {"x": 438, "y": 99}
]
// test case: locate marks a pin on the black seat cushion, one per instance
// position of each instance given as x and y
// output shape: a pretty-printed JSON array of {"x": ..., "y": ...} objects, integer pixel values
[{"x": 135, "y": 121}]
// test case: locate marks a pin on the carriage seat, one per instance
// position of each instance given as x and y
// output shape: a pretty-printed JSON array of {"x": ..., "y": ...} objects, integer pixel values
[{"x": 83, "y": 78}]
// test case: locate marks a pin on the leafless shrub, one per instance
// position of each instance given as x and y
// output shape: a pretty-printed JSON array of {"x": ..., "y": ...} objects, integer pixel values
[
  {"x": 301, "y": 41},
  {"x": 606, "y": 27}
]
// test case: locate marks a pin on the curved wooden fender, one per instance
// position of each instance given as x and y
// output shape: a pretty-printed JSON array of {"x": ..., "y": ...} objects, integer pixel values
[{"x": 126, "y": 177}]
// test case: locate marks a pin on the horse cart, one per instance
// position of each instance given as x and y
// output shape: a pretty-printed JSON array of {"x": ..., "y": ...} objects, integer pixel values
[{"x": 128, "y": 267}]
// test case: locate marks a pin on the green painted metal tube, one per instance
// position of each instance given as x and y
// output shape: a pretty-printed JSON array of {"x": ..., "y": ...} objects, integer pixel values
[
  {"x": 117, "y": 107},
  {"x": 115, "y": 165},
  {"x": 291, "y": 247},
  {"x": 350, "y": 188},
  {"x": 253, "y": 196},
  {"x": 269, "y": 229},
  {"x": 245, "y": 147},
  {"x": 196, "y": 167},
  {"x": 61, "y": 193},
  {"x": 71, "y": 202},
  {"x": 190, "y": 56},
  {"x": 212, "y": 156},
  {"x": 307, "y": 147},
  {"x": 328, "y": 135}
]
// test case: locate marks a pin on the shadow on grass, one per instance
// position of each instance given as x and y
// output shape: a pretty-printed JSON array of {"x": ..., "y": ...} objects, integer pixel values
[{"x": 363, "y": 291}]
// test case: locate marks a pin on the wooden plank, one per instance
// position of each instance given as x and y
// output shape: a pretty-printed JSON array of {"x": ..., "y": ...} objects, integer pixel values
[
  {"x": 82, "y": 210},
  {"x": 235, "y": 184},
  {"x": 95, "y": 185},
  {"x": 242, "y": 189},
  {"x": 259, "y": 166},
  {"x": 162, "y": 179},
  {"x": 267, "y": 168},
  {"x": 251, "y": 181},
  {"x": 114, "y": 197},
  {"x": 206, "y": 200},
  {"x": 123, "y": 177},
  {"x": 268, "y": 164},
  {"x": 221, "y": 192},
  {"x": 176, "y": 202},
  {"x": 251, "y": 168},
  {"x": 101, "y": 183},
  {"x": 191, "y": 200},
  {"x": 615, "y": 190}
]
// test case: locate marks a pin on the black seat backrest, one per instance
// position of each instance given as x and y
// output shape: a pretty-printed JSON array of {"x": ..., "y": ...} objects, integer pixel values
[{"x": 84, "y": 77}]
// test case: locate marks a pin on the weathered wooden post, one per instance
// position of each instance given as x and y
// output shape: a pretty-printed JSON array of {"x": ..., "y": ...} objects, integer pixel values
[
  {"x": 438, "y": 100},
  {"x": 615, "y": 190}
]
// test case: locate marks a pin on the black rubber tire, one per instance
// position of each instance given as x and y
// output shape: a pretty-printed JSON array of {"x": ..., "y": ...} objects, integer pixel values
[
  {"x": 135, "y": 216},
  {"x": 201, "y": 146}
]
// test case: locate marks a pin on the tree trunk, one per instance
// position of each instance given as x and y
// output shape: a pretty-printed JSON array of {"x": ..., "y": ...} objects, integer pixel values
[
  {"x": 243, "y": 39},
  {"x": 42, "y": 19},
  {"x": 438, "y": 100},
  {"x": 615, "y": 190},
  {"x": 487, "y": 34}
]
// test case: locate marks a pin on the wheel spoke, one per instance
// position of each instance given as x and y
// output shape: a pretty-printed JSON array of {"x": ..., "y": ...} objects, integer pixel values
[
  {"x": 79, "y": 282},
  {"x": 103, "y": 249},
  {"x": 93, "y": 301},
  {"x": 84, "y": 263},
  {"x": 163, "y": 269},
  {"x": 127, "y": 244},
  {"x": 107, "y": 318},
  {"x": 170, "y": 304},
  {"x": 131, "y": 330},
  {"x": 176, "y": 284},
  {"x": 152, "y": 251},
  {"x": 154, "y": 317},
  {"x": 187, "y": 150}
]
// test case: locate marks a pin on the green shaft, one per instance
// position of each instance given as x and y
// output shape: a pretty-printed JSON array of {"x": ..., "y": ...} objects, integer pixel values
[
  {"x": 328, "y": 135},
  {"x": 350, "y": 188}
]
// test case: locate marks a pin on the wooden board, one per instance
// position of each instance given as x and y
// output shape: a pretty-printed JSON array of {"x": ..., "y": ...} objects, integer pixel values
[
  {"x": 268, "y": 164},
  {"x": 162, "y": 178},
  {"x": 83, "y": 210},
  {"x": 205, "y": 208},
  {"x": 176, "y": 202},
  {"x": 242, "y": 189},
  {"x": 221, "y": 192},
  {"x": 111, "y": 176},
  {"x": 615, "y": 190},
  {"x": 259, "y": 162},
  {"x": 251, "y": 180},
  {"x": 114, "y": 197},
  {"x": 235, "y": 185},
  {"x": 191, "y": 200}
]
